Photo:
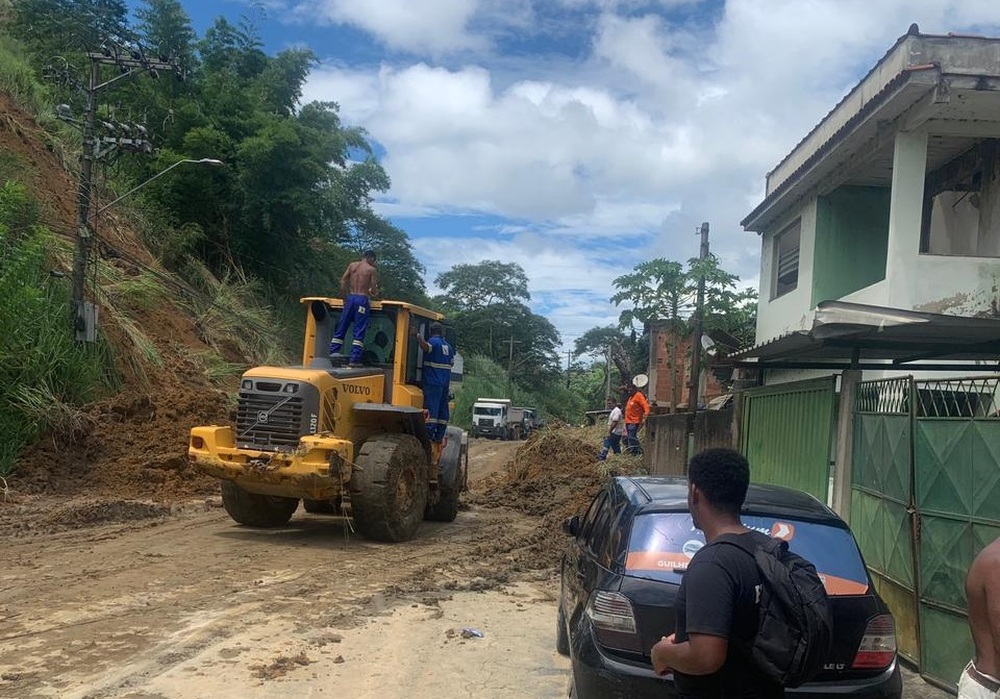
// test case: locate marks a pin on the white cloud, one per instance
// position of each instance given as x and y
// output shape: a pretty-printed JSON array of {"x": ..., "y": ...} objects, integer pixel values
[
  {"x": 670, "y": 119},
  {"x": 421, "y": 26},
  {"x": 569, "y": 286}
]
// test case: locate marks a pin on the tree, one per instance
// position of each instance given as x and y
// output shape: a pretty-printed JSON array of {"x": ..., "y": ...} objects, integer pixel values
[
  {"x": 487, "y": 304},
  {"x": 294, "y": 202},
  {"x": 165, "y": 27},
  {"x": 661, "y": 289},
  {"x": 468, "y": 287}
]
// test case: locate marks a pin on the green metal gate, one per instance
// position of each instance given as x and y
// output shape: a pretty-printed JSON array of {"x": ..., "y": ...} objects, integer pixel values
[
  {"x": 787, "y": 431},
  {"x": 957, "y": 496},
  {"x": 881, "y": 499},
  {"x": 925, "y": 499}
]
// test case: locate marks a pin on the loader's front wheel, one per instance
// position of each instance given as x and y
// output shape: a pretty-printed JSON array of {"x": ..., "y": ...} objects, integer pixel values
[
  {"x": 255, "y": 510},
  {"x": 389, "y": 487}
]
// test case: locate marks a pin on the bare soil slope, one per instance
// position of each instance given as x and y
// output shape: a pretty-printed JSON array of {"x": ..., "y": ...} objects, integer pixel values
[{"x": 132, "y": 444}]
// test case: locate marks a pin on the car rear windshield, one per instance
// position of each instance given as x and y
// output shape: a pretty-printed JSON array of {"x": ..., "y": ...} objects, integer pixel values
[{"x": 663, "y": 543}]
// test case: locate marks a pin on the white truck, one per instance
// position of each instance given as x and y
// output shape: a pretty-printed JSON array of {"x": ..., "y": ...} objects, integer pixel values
[
  {"x": 491, "y": 418},
  {"x": 497, "y": 418}
]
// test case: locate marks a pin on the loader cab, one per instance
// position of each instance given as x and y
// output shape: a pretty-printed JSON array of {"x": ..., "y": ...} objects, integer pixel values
[{"x": 389, "y": 346}]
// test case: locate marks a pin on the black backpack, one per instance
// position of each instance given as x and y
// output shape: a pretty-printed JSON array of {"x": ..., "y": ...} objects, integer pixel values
[{"x": 795, "y": 630}]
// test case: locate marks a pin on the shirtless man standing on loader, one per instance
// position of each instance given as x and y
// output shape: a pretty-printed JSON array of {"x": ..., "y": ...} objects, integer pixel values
[
  {"x": 982, "y": 588},
  {"x": 358, "y": 284}
]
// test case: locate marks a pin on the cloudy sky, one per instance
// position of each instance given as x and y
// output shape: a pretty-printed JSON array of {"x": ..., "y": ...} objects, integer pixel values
[{"x": 580, "y": 137}]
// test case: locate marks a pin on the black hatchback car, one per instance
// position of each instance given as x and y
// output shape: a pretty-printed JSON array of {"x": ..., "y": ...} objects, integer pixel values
[{"x": 623, "y": 567}]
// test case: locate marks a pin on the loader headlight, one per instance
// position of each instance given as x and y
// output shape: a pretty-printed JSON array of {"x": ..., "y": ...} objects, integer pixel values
[
  {"x": 246, "y": 384},
  {"x": 291, "y": 388}
]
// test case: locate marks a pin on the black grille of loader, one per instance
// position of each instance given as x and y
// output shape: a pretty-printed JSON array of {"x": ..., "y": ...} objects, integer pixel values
[{"x": 268, "y": 420}]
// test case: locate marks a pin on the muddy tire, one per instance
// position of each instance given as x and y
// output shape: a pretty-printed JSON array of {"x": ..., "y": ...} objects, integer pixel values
[
  {"x": 389, "y": 487},
  {"x": 319, "y": 507},
  {"x": 446, "y": 508},
  {"x": 255, "y": 510},
  {"x": 451, "y": 478}
]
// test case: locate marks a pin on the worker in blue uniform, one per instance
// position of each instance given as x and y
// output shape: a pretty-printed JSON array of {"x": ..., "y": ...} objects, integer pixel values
[{"x": 436, "y": 378}]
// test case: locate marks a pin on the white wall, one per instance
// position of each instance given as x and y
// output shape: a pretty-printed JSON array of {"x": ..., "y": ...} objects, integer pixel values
[
  {"x": 950, "y": 284},
  {"x": 791, "y": 311}
]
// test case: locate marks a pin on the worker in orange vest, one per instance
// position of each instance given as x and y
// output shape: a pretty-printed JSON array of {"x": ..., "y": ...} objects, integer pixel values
[{"x": 636, "y": 410}]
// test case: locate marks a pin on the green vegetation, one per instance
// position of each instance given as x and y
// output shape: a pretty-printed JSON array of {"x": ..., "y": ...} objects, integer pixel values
[
  {"x": 237, "y": 245},
  {"x": 44, "y": 375}
]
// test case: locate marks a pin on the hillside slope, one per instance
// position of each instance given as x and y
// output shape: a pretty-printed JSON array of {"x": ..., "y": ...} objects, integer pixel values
[{"x": 133, "y": 443}]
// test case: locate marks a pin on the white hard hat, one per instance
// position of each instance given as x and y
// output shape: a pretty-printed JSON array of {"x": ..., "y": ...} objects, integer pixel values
[{"x": 640, "y": 381}]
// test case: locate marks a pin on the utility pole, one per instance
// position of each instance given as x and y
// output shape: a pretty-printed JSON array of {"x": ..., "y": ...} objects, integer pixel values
[
  {"x": 129, "y": 137},
  {"x": 83, "y": 237},
  {"x": 607, "y": 379},
  {"x": 699, "y": 320},
  {"x": 510, "y": 364}
]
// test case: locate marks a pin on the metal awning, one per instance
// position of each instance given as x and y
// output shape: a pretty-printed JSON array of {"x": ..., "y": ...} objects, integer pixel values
[{"x": 853, "y": 335}]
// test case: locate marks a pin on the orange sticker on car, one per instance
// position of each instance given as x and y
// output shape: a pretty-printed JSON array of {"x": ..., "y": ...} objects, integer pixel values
[
  {"x": 656, "y": 560},
  {"x": 842, "y": 586},
  {"x": 783, "y": 531}
]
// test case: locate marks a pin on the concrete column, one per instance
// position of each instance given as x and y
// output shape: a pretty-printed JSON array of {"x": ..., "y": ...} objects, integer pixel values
[
  {"x": 845, "y": 444},
  {"x": 909, "y": 169}
]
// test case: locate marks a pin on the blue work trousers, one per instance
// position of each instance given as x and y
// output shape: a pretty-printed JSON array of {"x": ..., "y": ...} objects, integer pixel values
[
  {"x": 632, "y": 444},
  {"x": 356, "y": 310},
  {"x": 436, "y": 403},
  {"x": 613, "y": 442}
]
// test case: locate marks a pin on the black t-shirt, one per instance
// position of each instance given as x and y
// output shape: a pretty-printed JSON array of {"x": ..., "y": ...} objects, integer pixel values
[{"x": 718, "y": 597}]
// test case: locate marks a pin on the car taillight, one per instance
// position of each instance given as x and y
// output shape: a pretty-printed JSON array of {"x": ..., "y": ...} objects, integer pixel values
[
  {"x": 878, "y": 645},
  {"x": 611, "y": 611}
]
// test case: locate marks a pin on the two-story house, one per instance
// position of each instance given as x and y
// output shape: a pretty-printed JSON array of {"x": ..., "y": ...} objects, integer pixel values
[
  {"x": 893, "y": 199},
  {"x": 880, "y": 278}
]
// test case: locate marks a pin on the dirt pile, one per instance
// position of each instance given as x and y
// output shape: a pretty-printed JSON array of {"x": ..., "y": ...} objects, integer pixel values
[
  {"x": 554, "y": 475},
  {"x": 132, "y": 444}
]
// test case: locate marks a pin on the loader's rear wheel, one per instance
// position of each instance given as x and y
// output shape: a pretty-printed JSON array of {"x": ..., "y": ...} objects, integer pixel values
[
  {"x": 389, "y": 487},
  {"x": 255, "y": 510}
]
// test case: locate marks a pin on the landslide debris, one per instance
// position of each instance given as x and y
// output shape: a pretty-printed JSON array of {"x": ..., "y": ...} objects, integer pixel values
[
  {"x": 132, "y": 444},
  {"x": 554, "y": 475}
]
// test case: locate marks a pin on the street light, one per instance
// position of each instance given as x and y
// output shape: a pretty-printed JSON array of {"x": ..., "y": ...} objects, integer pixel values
[
  {"x": 85, "y": 320},
  {"x": 202, "y": 161}
]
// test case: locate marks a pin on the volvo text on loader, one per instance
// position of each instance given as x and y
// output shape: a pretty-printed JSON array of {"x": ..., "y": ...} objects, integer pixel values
[{"x": 344, "y": 441}]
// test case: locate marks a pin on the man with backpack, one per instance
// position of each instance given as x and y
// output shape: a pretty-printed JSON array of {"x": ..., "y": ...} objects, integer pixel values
[{"x": 739, "y": 589}]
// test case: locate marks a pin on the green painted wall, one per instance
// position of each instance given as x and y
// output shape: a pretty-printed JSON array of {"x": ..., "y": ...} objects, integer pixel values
[{"x": 852, "y": 236}]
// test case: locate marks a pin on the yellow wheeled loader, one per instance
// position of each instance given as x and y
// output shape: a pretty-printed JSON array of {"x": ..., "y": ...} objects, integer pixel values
[{"x": 349, "y": 441}]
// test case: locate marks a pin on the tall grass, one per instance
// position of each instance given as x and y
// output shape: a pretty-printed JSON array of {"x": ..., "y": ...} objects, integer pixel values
[
  {"x": 230, "y": 315},
  {"x": 44, "y": 374}
]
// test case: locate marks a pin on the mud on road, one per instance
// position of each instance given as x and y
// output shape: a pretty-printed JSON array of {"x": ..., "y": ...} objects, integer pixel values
[
  {"x": 103, "y": 598},
  {"x": 111, "y": 598}
]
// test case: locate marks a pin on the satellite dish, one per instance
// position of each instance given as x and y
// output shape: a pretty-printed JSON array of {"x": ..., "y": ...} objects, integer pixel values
[{"x": 640, "y": 381}]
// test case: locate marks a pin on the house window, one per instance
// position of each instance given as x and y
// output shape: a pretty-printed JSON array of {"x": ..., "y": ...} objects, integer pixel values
[{"x": 786, "y": 260}]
